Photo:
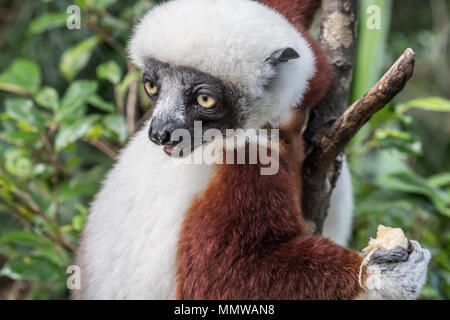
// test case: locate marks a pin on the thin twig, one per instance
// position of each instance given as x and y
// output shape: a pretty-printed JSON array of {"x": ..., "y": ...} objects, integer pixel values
[
  {"x": 31, "y": 204},
  {"x": 119, "y": 100},
  {"x": 16, "y": 90},
  {"x": 53, "y": 158},
  {"x": 59, "y": 239},
  {"x": 104, "y": 146}
]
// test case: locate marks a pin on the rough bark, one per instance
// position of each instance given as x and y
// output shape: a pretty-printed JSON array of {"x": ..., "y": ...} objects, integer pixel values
[
  {"x": 329, "y": 128},
  {"x": 338, "y": 38}
]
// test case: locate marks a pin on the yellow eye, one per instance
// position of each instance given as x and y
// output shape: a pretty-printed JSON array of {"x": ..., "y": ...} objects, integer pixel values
[
  {"x": 206, "y": 101},
  {"x": 151, "y": 88}
]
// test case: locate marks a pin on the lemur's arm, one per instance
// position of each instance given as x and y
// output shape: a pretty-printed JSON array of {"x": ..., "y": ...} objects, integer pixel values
[
  {"x": 321, "y": 269},
  {"x": 312, "y": 267},
  {"x": 245, "y": 238}
]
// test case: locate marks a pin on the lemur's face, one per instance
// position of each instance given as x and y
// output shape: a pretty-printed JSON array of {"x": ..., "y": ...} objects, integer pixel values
[{"x": 182, "y": 96}]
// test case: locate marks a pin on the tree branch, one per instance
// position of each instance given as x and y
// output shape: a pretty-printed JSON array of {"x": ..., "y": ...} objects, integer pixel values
[
  {"x": 31, "y": 205},
  {"x": 329, "y": 128},
  {"x": 103, "y": 145},
  {"x": 338, "y": 39},
  {"x": 334, "y": 140}
]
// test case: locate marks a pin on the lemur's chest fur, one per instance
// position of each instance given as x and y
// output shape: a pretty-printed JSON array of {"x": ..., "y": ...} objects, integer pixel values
[{"x": 132, "y": 235}]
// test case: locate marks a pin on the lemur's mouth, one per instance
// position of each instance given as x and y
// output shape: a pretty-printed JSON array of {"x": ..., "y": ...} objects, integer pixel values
[{"x": 173, "y": 151}]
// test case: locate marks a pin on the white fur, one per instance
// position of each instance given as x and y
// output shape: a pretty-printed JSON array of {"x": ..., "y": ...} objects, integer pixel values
[
  {"x": 338, "y": 224},
  {"x": 129, "y": 244},
  {"x": 229, "y": 39},
  {"x": 130, "y": 240}
]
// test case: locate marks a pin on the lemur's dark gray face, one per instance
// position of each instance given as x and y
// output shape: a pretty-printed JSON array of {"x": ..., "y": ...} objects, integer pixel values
[{"x": 182, "y": 95}]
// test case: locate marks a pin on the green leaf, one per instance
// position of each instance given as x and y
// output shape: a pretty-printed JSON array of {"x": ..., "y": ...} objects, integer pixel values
[
  {"x": 75, "y": 97},
  {"x": 32, "y": 268},
  {"x": 138, "y": 9},
  {"x": 95, "y": 132},
  {"x": 26, "y": 127},
  {"x": 78, "y": 223},
  {"x": 22, "y": 76},
  {"x": 101, "y": 104},
  {"x": 27, "y": 238},
  {"x": 82, "y": 210},
  {"x": 117, "y": 124},
  {"x": 47, "y": 97},
  {"x": 109, "y": 71},
  {"x": 410, "y": 182},
  {"x": 81, "y": 3},
  {"x": 383, "y": 116},
  {"x": 86, "y": 183},
  {"x": 69, "y": 191},
  {"x": 402, "y": 141},
  {"x": 382, "y": 134},
  {"x": 76, "y": 58},
  {"x": 440, "y": 180},
  {"x": 431, "y": 104},
  {"x": 380, "y": 200},
  {"x": 20, "y": 136},
  {"x": 370, "y": 46},
  {"x": 22, "y": 109},
  {"x": 47, "y": 21},
  {"x": 18, "y": 162},
  {"x": 78, "y": 129},
  {"x": 98, "y": 4},
  {"x": 111, "y": 22}
]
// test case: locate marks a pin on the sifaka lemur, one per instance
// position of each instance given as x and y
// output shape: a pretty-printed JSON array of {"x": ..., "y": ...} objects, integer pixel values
[{"x": 160, "y": 229}]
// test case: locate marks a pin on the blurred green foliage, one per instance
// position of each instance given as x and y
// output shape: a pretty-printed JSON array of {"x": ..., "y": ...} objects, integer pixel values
[
  {"x": 63, "y": 94},
  {"x": 63, "y": 97},
  {"x": 400, "y": 159}
]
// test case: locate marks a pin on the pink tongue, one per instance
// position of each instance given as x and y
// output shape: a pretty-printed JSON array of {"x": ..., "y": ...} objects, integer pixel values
[
  {"x": 168, "y": 150},
  {"x": 173, "y": 152}
]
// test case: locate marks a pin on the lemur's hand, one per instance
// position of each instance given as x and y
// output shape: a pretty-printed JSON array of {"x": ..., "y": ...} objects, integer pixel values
[{"x": 396, "y": 273}]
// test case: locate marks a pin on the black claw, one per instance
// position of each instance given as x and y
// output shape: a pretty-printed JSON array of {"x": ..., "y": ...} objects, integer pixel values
[{"x": 398, "y": 254}]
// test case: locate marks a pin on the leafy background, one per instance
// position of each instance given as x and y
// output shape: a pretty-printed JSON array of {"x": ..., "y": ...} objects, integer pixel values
[{"x": 69, "y": 100}]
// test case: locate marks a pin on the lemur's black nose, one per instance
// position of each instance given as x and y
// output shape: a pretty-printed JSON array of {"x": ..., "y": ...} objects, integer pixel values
[
  {"x": 158, "y": 134},
  {"x": 159, "y": 137}
]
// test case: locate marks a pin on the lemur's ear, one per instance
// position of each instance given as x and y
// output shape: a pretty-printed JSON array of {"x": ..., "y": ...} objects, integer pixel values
[
  {"x": 270, "y": 68},
  {"x": 282, "y": 55}
]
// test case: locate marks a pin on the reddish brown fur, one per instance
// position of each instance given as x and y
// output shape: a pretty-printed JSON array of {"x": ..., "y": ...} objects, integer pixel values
[
  {"x": 244, "y": 238},
  {"x": 298, "y": 12}
]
